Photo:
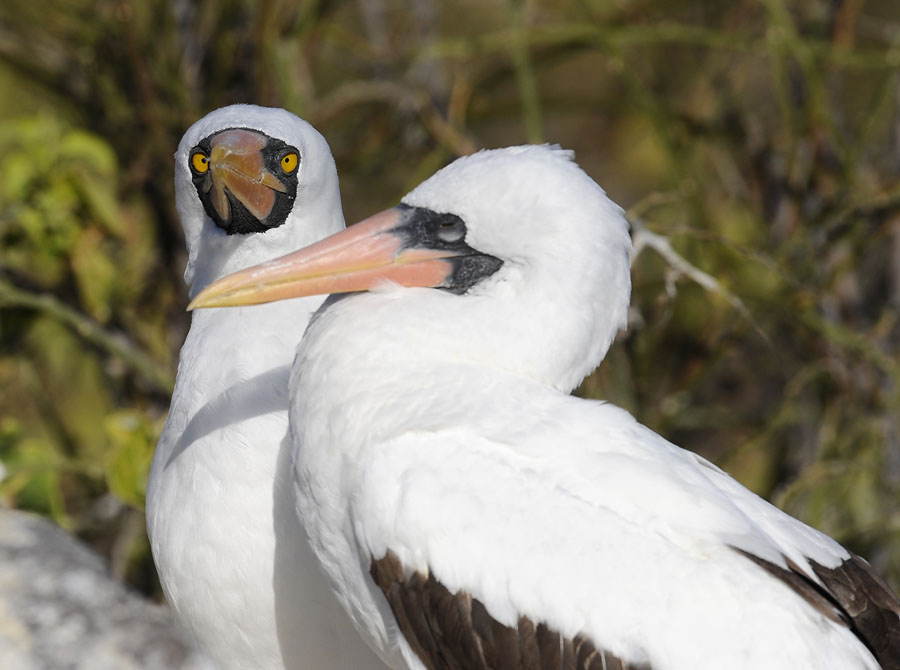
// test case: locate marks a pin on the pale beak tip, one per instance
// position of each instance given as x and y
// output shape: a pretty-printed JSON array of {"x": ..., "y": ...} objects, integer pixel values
[
  {"x": 202, "y": 300},
  {"x": 223, "y": 293}
]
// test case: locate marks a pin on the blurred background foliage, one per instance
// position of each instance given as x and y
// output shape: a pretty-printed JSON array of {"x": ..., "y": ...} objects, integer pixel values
[{"x": 755, "y": 143}]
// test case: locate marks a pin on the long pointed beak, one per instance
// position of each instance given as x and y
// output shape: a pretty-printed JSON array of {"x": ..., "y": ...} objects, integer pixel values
[{"x": 359, "y": 258}]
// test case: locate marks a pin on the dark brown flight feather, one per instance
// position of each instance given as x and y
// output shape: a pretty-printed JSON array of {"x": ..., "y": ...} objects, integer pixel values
[
  {"x": 450, "y": 631},
  {"x": 853, "y": 594}
]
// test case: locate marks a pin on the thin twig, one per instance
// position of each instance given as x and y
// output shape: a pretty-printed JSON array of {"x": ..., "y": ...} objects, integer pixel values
[
  {"x": 360, "y": 92},
  {"x": 643, "y": 238},
  {"x": 558, "y": 34},
  {"x": 525, "y": 78},
  {"x": 153, "y": 372}
]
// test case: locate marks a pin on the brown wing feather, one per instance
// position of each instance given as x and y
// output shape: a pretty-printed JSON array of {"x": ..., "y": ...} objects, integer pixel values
[
  {"x": 450, "y": 631},
  {"x": 853, "y": 594},
  {"x": 870, "y": 603}
]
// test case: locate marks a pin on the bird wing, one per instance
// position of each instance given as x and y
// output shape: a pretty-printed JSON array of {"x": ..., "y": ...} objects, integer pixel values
[{"x": 578, "y": 536}]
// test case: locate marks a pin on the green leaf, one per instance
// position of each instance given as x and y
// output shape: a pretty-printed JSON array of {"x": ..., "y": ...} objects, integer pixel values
[{"x": 132, "y": 438}]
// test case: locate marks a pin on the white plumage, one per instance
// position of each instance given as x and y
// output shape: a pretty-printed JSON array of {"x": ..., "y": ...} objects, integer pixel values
[
  {"x": 231, "y": 553},
  {"x": 460, "y": 500}
]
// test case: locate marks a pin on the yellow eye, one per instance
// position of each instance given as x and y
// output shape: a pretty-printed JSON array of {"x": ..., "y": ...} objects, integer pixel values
[
  {"x": 200, "y": 162},
  {"x": 289, "y": 162}
]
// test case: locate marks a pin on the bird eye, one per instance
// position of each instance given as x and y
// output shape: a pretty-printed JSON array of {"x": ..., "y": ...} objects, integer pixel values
[
  {"x": 451, "y": 229},
  {"x": 289, "y": 162},
  {"x": 199, "y": 162}
]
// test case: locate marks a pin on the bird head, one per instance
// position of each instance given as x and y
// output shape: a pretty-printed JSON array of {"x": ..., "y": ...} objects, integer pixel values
[{"x": 252, "y": 183}]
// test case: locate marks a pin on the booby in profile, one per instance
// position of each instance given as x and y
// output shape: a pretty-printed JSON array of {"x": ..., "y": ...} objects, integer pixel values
[
  {"x": 251, "y": 183},
  {"x": 472, "y": 514}
]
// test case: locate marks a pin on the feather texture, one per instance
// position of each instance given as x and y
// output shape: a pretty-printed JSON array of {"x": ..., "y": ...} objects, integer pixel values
[{"x": 455, "y": 632}]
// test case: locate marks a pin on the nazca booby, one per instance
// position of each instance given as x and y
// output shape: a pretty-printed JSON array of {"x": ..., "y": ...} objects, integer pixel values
[
  {"x": 470, "y": 512},
  {"x": 251, "y": 183}
]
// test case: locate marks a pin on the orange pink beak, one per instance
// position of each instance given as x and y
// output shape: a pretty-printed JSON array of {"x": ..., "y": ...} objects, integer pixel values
[
  {"x": 369, "y": 253},
  {"x": 236, "y": 165}
]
